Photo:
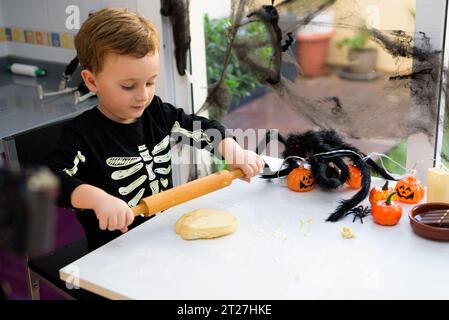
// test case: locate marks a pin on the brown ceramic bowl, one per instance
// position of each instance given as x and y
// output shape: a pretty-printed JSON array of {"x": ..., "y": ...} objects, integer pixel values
[{"x": 435, "y": 233}]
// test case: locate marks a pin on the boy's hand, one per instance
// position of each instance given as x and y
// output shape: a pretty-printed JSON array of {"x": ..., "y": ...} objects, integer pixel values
[
  {"x": 113, "y": 213},
  {"x": 251, "y": 165},
  {"x": 238, "y": 158}
]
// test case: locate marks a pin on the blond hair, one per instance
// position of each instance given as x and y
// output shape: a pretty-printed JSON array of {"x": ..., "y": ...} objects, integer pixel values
[{"x": 114, "y": 30}]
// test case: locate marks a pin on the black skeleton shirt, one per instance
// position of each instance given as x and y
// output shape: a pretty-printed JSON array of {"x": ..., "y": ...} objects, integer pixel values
[{"x": 128, "y": 161}]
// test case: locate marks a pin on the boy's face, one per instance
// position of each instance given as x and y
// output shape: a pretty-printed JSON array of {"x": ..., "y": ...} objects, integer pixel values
[{"x": 125, "y": 86}]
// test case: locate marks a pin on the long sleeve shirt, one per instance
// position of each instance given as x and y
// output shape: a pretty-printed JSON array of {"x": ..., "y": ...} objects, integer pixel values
[{"x": 128, "y": 161}]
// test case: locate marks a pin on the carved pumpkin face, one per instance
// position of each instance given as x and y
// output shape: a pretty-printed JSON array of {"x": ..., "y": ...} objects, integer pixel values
[
  {"x": 300, "y": 180},
  {"x": 410, "y": 190}
]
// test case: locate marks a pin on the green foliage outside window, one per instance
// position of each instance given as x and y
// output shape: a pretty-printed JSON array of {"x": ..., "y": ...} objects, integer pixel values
[{"x": 239, "y": 78}]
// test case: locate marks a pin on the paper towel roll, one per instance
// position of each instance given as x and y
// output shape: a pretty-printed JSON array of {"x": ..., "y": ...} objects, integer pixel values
[{"x": 25, "y": 69}]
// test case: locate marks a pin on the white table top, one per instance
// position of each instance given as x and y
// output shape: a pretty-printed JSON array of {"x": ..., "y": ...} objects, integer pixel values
[{"x": 270, "y": 256}]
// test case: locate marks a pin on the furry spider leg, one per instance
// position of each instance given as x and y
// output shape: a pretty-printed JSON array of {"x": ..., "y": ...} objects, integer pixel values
[
  {"x": 379, "y": 170},
  {"x": 340, "y": 144},
  {"x": 325, "y": 175},
  {"x": 270, "y": 135},
  {"x": 325, "y": 150},
  {"x": 370, "y": 162},
  {"x": 344, "y": 171},
  {"x": 346, "y": 205}
]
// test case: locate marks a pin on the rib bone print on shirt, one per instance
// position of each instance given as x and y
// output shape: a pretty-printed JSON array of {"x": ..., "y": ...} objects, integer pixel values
[
  {"x": 135, "y": 174},
  {"x": 79, "y": 157},
  {"x": 197, "y": 135},
  {"x": 141, "y": 170}
]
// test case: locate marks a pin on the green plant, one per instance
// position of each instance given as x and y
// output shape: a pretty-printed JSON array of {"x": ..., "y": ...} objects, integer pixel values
[
  {"x": 239, "y": 78},
  {"x": 399, "y": 154},
  {"x": 358, "y": 41},
  {"x": 445, "y": 147}
]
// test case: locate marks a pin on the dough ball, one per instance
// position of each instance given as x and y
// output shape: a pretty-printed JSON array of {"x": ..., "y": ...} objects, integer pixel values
[
  {"x": 205, "y": 224},
  {"x": 347, "y": 233}
]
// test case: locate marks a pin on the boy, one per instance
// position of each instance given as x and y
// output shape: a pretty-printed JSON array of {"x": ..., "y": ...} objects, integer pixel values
[{"x": 117, "y": 153}]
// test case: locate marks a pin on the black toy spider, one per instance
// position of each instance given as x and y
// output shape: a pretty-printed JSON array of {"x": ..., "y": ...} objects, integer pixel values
[
  {"x": 359, "y": 212},
  {"x": 326, "y": 153}
]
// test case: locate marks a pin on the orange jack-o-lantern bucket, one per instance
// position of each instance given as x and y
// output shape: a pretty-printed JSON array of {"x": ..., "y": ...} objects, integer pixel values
[
  {"x": 301, "y": 179},
  {"x": 410, "y": 190}
]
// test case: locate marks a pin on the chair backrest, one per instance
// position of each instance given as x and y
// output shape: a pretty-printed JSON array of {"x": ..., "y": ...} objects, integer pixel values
[{"x": 30, "y": 148}]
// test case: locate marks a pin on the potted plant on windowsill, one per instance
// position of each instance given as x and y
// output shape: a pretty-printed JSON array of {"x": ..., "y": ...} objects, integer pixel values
[
  {"x": 361, "y": 58},
  {"x": 312, "y": 44}
]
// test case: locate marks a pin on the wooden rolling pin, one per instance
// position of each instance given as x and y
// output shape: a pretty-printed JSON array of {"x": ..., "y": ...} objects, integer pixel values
[{"x": 188, "y": 191}]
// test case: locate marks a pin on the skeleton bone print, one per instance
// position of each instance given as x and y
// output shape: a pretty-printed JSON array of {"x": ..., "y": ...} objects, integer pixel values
[
  {"x": 160, "y": 156},
  {"x": 141, "y": 169},
  {"x": 128, "y": 161},
  {"x": 147, "y": 169}
]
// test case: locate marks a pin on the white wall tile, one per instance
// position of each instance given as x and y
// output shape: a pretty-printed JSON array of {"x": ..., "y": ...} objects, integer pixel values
[
  {"x": 3, "y": 49},
  {"x": 26, "y": 14},
  {"x": 2, "y": 21},
  {"x": 32, "y": 51},
  {"x": 50, "y": 15}
]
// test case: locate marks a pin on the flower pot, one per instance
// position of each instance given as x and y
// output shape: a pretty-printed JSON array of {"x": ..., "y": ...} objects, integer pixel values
[
  {"x": 311, "y": 51},
  {"x": 362, "y": 60}
]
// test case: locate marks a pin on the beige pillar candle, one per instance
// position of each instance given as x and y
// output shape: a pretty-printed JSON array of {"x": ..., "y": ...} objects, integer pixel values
[{"x": 438, "y": 184}]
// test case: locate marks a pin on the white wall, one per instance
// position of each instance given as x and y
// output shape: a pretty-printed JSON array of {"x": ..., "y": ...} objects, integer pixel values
[
  {"x": 429, "y": 19},
  {"x": 49, "y": 15},
  {"x": 171, "y": 87},
  {"x": 215, "y": 9},
  {"x": 1, "y": 15},
  {"x": 198, "y": 52},
  {"x": 3, "y": 45}
]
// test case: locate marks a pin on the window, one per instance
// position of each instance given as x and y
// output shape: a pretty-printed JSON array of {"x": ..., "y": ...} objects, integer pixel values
[{"x": 370, "y": 70}]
